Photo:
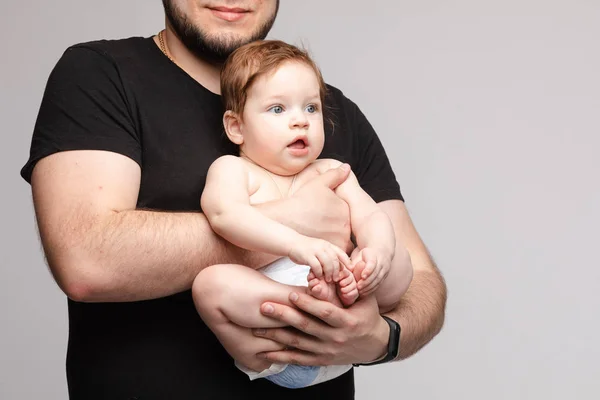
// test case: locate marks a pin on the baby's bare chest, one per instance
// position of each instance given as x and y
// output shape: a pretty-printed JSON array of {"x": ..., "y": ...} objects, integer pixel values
[{"x": 265, "y": 187}]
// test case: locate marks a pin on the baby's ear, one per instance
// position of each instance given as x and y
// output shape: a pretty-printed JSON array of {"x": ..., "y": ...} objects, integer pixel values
[{"x": 233, "y": 127}]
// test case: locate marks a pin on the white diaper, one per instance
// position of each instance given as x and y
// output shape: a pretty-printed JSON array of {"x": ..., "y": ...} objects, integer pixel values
[{"x": 287, "y": 272}]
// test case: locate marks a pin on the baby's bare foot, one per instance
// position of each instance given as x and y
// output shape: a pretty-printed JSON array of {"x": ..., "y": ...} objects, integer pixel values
[
  {"x": 323, "y": 291},
  {"x": 347, "y": 290}
]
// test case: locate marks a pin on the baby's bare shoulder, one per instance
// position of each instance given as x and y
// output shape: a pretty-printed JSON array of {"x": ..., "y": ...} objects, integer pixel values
[
  {"x": 228, "y": 163},
  {"x": 230, "y": 169}
]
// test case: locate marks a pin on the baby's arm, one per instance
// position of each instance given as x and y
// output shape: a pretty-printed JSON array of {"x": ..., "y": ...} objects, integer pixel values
[
  {"x": 226, "y": 204},
  {"x": 376, "y": 238}
]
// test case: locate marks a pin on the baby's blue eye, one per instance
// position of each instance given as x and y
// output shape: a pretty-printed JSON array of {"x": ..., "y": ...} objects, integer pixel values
[
  {"x": 311, "y": 108},
  {"x": 276, "y": 109}
]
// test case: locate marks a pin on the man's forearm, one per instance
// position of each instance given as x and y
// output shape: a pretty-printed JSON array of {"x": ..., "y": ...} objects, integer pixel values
[
  {"x": 140, "y": 254},
  {"x": 421, "y": 311},
  {"x": 136, "y": 255},
  {"x": 143, "y": 254}
]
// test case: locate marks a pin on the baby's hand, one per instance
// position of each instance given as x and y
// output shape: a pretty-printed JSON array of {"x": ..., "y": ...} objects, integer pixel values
[
  {"x": 324, "y": 259},
  {"x": 370, "y": 267}
]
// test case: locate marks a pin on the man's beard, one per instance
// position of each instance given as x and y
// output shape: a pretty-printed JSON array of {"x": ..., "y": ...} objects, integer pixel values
[{"x": 212, "y": 49}]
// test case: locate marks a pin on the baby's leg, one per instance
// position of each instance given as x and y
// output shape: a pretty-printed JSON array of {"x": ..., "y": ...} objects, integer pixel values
[
  {"x": 228, "y": 298},
  {"x": 234, "y": 293},
  {"x": 393, "y": 287}
]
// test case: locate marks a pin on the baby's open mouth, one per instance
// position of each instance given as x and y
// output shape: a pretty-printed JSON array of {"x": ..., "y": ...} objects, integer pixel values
[{"x": 299, "y": 143}]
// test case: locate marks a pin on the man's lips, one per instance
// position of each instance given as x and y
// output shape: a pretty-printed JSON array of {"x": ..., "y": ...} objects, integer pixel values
[
  {"x": 230, "y": 9},
  {"x": 230, "y": 14}
]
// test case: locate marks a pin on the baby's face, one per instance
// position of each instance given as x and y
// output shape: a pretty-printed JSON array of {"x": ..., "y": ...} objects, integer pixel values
[{"x": 282, "y": 122}]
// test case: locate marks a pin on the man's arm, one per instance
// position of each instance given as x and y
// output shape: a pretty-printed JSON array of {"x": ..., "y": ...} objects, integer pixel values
[
  {"x": 100, "y": 248},
  {"x": 421, "y": 310}
]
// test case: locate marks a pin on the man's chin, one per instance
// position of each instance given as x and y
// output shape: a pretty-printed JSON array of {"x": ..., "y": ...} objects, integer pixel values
[
  {"x": 217, "y": 50},
  {"x": 212, "y": 48}
]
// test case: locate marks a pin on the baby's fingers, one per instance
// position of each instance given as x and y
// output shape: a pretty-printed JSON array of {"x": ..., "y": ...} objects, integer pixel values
[
  {"x": 368, "y": 275},
  {"x": 315, "y": 267},
  {"x": 338, "y": 267},
  {"x": 370, "y": 259},
  {"x": 327, "y": 264},
  {"x": 344, "y": 259},
  {"x": 370, "y": 266},
  {"x": 337, "y": 264},
  {"x": 374, "y": 285}
]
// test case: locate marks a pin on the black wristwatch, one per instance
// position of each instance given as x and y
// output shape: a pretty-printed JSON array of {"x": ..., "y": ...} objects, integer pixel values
[{"x": 393, "y": 343}]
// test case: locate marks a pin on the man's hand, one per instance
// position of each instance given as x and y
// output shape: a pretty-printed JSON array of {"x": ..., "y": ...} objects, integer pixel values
[
  {"x": 326, "y": 334},
  {"x": 315, "y": 210},
  {"x": 243, "y": 346}
]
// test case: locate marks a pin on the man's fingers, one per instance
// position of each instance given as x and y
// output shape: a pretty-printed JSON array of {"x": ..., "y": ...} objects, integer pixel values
[
  {"x": 334, "y": 177},
  {"x": 264, "y": 344},
  {"x": 286, "y": 338},
  {"x": 292, "y": 317},
  {"x": 325, "y": 311}
]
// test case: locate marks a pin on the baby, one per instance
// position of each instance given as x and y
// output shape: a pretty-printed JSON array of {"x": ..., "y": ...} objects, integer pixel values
[{"x": 274, "y": 96}]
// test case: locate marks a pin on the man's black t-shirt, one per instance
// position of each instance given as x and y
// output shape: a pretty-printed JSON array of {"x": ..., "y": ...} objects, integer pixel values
[{"x": 125, "y": 96}]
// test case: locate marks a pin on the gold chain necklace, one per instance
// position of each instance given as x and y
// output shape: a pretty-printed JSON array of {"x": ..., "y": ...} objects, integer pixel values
[{"x": 163, "y": 46}]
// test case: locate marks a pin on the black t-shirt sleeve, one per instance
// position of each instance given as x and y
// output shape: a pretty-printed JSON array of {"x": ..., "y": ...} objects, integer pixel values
[
  {"x": 84, "y": 107},
  {"x": 374, "y": 171}
]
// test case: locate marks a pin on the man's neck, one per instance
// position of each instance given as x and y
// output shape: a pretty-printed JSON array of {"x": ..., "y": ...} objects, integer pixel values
[{"x": 203, "y": 72}]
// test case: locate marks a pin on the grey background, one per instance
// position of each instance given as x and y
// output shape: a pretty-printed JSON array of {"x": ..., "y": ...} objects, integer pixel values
[{"x": 490, "y": 114}]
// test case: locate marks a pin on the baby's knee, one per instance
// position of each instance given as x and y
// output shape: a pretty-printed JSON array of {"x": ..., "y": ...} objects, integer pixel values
[{"x": 210, "y": 284}]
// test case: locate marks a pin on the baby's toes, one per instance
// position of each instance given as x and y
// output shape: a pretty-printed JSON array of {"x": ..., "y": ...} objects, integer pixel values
[
  {"x": 350, "y": 297},
  {"x": 347, "y": 279},
  {"x": 313, "y": 282},
  {"x": 319, "y": 289}
]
